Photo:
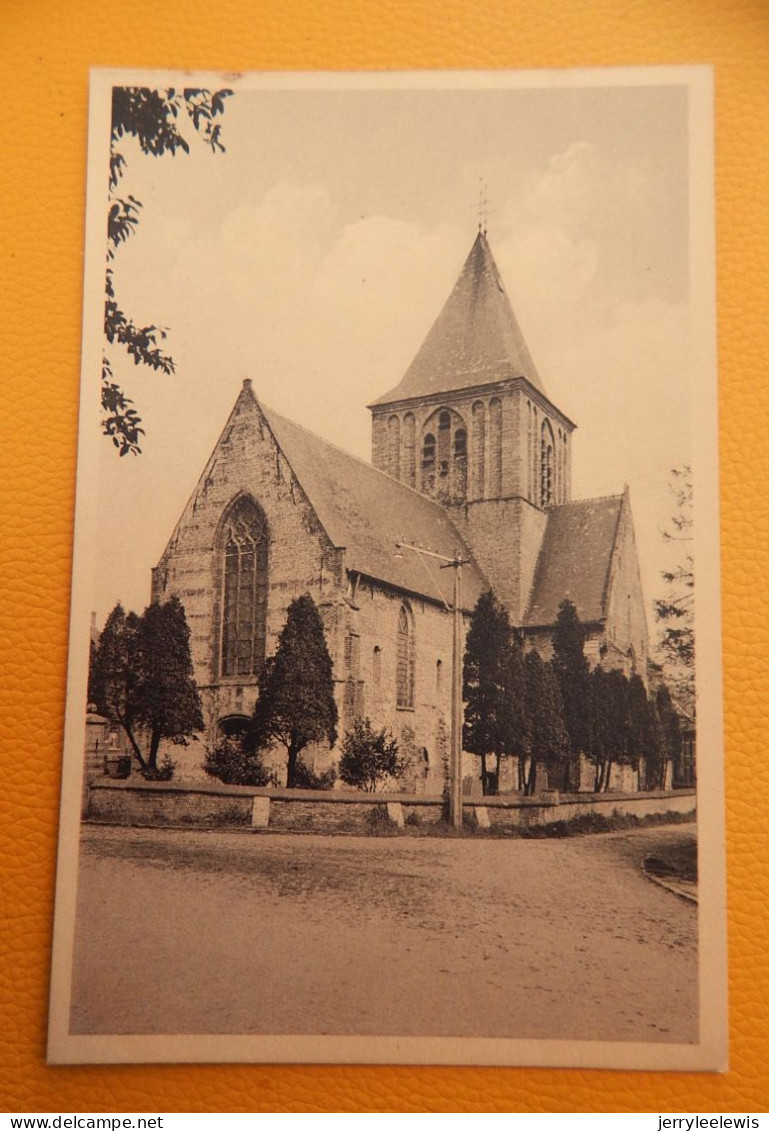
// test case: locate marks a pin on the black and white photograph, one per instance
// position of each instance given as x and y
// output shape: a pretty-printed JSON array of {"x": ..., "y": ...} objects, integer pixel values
[{"x": 387, "y": 737}]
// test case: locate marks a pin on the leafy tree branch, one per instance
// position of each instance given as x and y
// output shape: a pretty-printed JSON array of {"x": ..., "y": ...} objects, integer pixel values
[
  {"x": 156, "y": 119},
  {"x": 675, "y": 608}
]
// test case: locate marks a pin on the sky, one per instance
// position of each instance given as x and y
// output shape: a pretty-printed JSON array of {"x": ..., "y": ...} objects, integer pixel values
[{"x": 314, "y": 254}]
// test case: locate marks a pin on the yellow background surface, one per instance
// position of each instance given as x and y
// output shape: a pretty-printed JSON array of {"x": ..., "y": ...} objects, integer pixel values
[{"x": 46, "y": 48}]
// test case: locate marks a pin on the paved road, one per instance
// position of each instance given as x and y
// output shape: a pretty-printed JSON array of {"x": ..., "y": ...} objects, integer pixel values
[{"x": 195, "y": 932}]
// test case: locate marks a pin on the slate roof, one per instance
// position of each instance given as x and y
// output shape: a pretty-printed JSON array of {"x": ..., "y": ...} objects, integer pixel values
[
  {"x": 475, "y": 340},
  {"x": 575, "y": 560},
  {"x": 367, "y": 512}
]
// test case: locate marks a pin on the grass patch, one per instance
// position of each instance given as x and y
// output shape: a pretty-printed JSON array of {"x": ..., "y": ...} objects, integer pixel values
[
  {"x": 589, "y": 823},
  {"x": 377, "y": 823},
  {"x": 676, "y": 861}
]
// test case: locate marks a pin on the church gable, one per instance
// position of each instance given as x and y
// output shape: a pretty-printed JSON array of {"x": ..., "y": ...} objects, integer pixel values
[
  {"x": 627, "y": 631},
  {"x": 575, "y": 560},
  {"x": 589, "y": 557},
  {"x": 248, "y": 541}
]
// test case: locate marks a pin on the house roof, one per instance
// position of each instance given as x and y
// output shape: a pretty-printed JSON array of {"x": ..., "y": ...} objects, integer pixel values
[
  {"x": 575, "y": 560},
  {"x": 475, "y": 340},
  {"x": 366, "y": 512}
]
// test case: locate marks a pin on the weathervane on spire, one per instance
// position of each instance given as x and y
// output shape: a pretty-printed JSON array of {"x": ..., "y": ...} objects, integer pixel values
[{"x": 483, "y": 206}]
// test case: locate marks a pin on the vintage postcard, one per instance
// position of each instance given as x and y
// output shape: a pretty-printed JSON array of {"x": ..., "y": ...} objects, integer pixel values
[{"x": 387, "y": 738}]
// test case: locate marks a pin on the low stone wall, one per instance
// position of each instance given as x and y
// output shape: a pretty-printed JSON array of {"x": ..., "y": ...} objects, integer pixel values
[
  {"x": 334, "y": 811},
  {"x": 135, "y": 802}
]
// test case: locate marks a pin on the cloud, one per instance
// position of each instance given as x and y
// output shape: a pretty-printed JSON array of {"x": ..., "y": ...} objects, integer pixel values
[
  {"x": 633, "y": 383},
  {"x": 549, "y": 276}
]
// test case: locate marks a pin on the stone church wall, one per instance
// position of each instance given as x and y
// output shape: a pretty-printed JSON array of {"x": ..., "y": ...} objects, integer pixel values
[
  {"x": 505, "y": 536},
  {"x": 422, "y": 731},
  {"x": 300, "y": 559}
]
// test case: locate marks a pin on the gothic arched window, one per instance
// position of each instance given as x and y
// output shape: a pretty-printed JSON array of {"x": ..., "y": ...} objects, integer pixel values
[
  {"x": 409, "y": 453},
  {"x": 405, "y": 659},
  {"x": 394, "y": 447},
  {"x": 428, "y": 462},
  {"x": 495, "y": 448},
  {"x": 459, "y": 487},
  {"x": 546, "y": 468},
  {"x": 244, "y": 589},
  {"x": 444, "y": 456},
  {"x": 444, "y": 443},
  {"x": 479, "y": 449}
]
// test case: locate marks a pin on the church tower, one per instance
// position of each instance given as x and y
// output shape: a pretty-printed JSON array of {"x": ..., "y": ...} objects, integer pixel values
[{"x": 471, "y": 426}]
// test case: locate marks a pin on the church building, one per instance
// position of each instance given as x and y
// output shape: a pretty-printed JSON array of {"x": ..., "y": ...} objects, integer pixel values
[{"x": 470, "y": 457}]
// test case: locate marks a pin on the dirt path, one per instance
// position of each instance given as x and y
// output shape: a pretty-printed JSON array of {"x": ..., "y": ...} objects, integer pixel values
[{"x": 191, "y": 932}]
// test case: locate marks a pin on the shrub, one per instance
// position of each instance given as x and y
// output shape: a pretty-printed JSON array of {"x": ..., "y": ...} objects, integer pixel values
[
  {"x": 229, "y": 762},
  {"x": 369, "y": 757},
  {"x": 164, "y": 772},
  {"x": 307, "y": 778}
]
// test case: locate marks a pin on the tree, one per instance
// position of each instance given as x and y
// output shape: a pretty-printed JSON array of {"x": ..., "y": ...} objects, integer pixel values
[
  {"x": 488, "y": 670},
  {"x": 610, "y": 725},
  {"x": 640, "y": 730},
  {"x": 114, "y": 670},
  {"x": 154, "y": 118},
  {"x": 95, "y": 677},
  {"x": 572, "y": 671},
  {"x": 671, "y": 746},
  {"x": 515, "y": 724},
  {"x": 545, "y": 741},
  {"x": 370, "y": 758},
  {"x": 675, "y": 611},
  {"x": 599, "y": 745},
  {"x": 296, "y": 689},
  {"x": 656, "y": 754},
  {"x": 143, "y": 673}
]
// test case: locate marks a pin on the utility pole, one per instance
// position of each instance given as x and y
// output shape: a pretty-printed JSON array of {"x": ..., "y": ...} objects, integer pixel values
[{"x": 455, "y": 764}]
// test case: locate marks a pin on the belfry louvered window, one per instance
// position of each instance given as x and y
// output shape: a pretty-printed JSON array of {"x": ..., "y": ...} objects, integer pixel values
[
  {"x": 405, "y": 659},
  {"x": 244, "y": 596}
]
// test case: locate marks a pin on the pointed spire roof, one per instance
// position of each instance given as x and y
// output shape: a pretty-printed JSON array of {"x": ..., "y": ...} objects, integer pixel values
[{"x": 475, "y": 340}]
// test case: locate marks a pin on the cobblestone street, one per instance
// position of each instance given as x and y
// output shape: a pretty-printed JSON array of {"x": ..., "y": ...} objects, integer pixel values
[{"x": 195, "y": 932}]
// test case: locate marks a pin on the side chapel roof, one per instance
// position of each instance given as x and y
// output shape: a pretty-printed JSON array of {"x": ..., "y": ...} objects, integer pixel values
[
  {"x": 475, "y": 340},
  {"x": 575, "y": 560},
  {"x": 367, "y": 512}
]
